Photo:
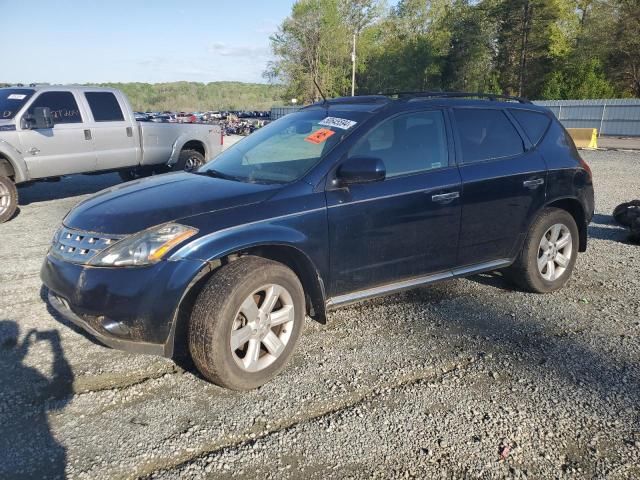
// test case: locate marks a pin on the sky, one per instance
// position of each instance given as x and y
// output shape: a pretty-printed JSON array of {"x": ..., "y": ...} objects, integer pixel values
[{"x": 92, "y": 41}]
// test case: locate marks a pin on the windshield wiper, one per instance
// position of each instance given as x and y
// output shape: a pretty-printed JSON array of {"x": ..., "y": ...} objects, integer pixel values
[{"x": 217, "y": 174}]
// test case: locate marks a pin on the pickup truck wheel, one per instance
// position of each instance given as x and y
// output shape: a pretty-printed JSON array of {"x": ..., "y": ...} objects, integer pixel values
[
  {"x": 8, "y": 199},
  {"x": 189, "y": 161},
  {"x": 549, "y": 253},
  {"x": 246, "y": 322}
]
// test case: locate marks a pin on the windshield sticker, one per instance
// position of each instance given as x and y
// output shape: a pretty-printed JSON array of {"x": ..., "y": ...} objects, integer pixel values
[
  {"x": 336, "y": 122},
  {"x": 16, "y": 96},
  {"x": 319, "y": 136}
]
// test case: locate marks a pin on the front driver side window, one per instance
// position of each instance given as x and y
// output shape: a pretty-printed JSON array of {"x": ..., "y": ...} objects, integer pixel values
[
  {"x": 411, "y": 143},
  {"x": 64, "y": 108}
]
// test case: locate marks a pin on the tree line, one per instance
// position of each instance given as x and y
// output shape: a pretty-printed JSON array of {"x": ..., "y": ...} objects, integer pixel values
[
  {"x": 194, "y": 96},
  {"x": 541, "y": 49}
]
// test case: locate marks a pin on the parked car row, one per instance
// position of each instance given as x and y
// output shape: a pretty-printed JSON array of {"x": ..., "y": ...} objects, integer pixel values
[{"x": 199, "y": 117}]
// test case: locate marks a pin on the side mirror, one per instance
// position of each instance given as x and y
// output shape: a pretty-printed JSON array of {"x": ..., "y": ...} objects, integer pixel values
[
  {"x": 40, "y": 118},
  {"x": 360, "y": 170}
]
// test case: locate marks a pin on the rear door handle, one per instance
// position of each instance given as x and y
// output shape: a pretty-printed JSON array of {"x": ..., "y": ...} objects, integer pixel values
[
  {"x": 87, "y": 134},
  {"x": 533, "y": 183},
  {"x": 445, "y": 197}
]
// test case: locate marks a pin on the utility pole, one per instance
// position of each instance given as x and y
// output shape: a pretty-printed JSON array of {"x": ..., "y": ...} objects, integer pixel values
[{"x": 353, "y": 67}]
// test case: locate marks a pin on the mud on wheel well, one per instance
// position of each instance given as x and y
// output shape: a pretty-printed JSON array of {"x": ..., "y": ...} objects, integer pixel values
[
  {"x": 194, "y": 145},
  {"x": 289, "y": 256},
  {"x": 577, "y": 212}
]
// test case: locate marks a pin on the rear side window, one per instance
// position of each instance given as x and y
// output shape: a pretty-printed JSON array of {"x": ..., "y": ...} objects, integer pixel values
[
  {"x": 534, "y": 124},
  {"x": 104, "y": 107},
  {"x": 486, "y": 134},
  {"x": 64, "y": 108},
  {"x": 406, "y": 144}
]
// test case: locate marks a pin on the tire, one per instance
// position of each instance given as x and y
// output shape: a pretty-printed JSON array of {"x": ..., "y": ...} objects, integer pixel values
[
  {"x": 231, "y": 301},
  {"x": 562, "y": 252},
  {"x": 8, "y": 199},
  {"x": 189, "y": 161}
]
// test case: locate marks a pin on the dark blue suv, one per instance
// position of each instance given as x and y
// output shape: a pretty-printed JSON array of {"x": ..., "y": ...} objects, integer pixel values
[{"x": 342, "y": 201}]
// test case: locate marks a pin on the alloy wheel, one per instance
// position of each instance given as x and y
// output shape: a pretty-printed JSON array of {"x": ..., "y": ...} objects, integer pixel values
[
  {"x": 554, "y": 252},
  {"x": 5, "y": 199},
  {"x": 262, "y": 328}
]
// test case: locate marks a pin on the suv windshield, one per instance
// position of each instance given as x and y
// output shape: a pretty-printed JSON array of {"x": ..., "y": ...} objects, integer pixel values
[
  {"x": 286, "y": 149},
  {"x": 12, "y": 100}
]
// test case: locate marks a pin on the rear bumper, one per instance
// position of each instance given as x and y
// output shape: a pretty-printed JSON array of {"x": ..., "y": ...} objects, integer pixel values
[{"x": 131, "y": 309}]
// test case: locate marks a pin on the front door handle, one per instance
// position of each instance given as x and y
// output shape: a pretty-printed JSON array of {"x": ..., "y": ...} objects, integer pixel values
[
  {"x": 445, "y": 197},
  {"x": 533, "y": 183},
  {"x": 87, "y": 134}
]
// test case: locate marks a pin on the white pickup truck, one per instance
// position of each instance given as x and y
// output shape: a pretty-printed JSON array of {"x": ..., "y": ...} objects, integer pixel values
[{"x": 46, "y": 132}]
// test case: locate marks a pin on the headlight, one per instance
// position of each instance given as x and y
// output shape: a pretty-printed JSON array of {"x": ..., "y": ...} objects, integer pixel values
[{"x": 144, "y": 248}]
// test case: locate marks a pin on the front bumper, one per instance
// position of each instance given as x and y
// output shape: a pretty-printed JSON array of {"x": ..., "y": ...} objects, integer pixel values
[
  {"x": 61, "y": 306},
  {"x": 132, "y": 309}
]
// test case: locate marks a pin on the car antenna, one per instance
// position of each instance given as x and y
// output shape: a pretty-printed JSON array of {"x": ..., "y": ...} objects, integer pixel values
[{"x": 324, "y": 99}]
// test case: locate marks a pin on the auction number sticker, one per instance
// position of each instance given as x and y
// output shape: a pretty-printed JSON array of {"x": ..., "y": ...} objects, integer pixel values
[
  {"x": 16, "y": 96},
  {"x": 336, "y": 122},
  {"x": 319, "y": 136}
]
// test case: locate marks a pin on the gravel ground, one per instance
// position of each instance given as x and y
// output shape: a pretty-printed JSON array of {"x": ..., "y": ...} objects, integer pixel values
[{"x": 467, "y": 378}]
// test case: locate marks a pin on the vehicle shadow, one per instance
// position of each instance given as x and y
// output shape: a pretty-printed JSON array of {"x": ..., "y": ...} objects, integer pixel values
[
  {"x": 28, "y": 448},
  {"x": 604, "y": 227},
  {"x": 70, "y": 186}
]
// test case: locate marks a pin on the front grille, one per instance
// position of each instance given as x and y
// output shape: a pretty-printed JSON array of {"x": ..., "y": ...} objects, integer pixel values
[{"x": 79, "y": 247}]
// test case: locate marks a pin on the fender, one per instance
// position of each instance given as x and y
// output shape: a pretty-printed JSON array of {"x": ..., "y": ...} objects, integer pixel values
[
  {"x": 15, "y": 159},
  {"x": 179, "y": 144},
  {"x": 230, "y": 240}
]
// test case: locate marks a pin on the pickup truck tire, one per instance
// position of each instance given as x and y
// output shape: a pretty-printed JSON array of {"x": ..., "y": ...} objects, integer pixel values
[
  {"x": 8, "y": 199},
  {"x": 549, "y": 253},
  {"x": 246, "y": 322},
  {"x": 189, "y": 161}
]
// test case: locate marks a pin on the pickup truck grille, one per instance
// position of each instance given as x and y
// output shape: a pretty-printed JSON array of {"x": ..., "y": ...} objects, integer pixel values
[{"x": 77, "y": 246}]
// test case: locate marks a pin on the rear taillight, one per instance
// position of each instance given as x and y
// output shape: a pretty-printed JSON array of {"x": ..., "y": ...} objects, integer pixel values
[{"x": 586, "y": 166}]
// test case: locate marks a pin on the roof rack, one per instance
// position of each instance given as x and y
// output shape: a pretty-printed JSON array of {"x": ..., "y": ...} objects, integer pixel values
[{"x": 489, "y": 96}]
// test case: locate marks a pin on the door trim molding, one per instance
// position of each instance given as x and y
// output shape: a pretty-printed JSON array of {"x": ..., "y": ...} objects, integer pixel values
[{"x": 402, "y": 285}]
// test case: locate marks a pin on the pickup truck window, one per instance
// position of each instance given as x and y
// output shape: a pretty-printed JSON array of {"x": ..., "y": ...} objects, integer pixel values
[
  {"x": 12, "y": 100},
  {"x": 64, "y": 108},
  {"x": 410, "y": 143},
  {"x": 286, "y": 149},
  {"x": 104, "y": 107}
]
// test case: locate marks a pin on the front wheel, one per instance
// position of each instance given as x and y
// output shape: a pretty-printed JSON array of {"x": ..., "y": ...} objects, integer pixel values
[
  {"x": 246, "y": 322},
  {"x": 8, "y": 199},
  {"x": 549, "y": 253}
]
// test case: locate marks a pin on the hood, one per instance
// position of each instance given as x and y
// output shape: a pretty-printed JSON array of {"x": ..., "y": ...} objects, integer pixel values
[{"x": 135, "y": 206}]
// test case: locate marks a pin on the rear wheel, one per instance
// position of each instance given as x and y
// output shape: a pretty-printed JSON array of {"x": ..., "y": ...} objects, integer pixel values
[
  {"x": 8, "y": 199},
  {"x": 246, "y": 322},
  {"x": 549, "y": 253},
  {"x": 190, "y": 161}
]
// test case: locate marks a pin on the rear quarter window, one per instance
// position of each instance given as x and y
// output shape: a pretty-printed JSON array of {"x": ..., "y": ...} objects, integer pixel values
[
  {"x": 104, "y": 107},
  {"x": 486, "y": 134},
  {"x": 534, "y": 124}
]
